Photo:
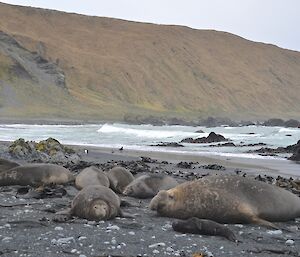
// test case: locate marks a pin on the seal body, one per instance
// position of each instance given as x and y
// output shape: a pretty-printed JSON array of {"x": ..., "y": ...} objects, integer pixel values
[
  {"x": 91, "y": 176},
  {"x": 96, "y": 203},
  {"x": 7, "y": 164},
  {"x": 147, "y": 186},
  {"x": 36, "y": 175},
  {"x": 228, "y": 199},
  {"x": 119, "y": 178},
  {"x": 203, "y": 227}
]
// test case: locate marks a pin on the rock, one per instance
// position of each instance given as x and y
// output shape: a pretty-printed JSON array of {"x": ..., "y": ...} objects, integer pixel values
[
  {"x": 211, "y": 138},
  {"x": 168, "y": 144},
  {"x": 213, "y": 167},
  {"x": 216, "y": 122},
  {"x": 292, "y": 123},
  {"x": 199, "y": 131},
  {"x": 49, "y": 150},
  {"x": 290, "y": 242},
  {"x": 184, "y": 165},
  {"x": 274, "y": 123},
  {"x": 296, "y": 155},
  {"x": 228, "y": 144}
]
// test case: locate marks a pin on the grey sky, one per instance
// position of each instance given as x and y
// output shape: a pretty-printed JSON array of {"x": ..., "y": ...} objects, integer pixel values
[{"x": 270, "y": 21}]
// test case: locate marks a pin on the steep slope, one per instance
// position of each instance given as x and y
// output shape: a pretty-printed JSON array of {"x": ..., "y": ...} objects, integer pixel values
[{"x": 114, "y": 67}]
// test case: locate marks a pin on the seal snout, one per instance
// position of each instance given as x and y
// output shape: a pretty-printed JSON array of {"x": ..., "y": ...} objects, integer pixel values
[{"x": 100, "y": 210}]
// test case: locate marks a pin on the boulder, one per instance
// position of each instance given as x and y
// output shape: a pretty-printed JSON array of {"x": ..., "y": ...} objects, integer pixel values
[
  {"x": 49, "y": 150},
  {"x": 211, "y": 138}
]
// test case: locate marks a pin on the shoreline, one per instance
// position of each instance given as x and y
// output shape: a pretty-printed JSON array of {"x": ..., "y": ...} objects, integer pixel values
[{"x": 271, "y": 166}]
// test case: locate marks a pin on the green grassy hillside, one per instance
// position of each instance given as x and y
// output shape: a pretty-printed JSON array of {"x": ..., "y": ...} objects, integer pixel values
[{"x": 111, "y": 67}]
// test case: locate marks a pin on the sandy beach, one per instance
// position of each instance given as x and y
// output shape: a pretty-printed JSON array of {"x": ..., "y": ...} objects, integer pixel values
[{"x": 27, "y": 227}]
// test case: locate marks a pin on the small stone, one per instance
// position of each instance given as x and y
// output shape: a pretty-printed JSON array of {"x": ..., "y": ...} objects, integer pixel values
[
  {"x": 6, "y": 239},
  {"x": 131, "y": 233},
  {"x": 157, "y": 245},
  {"x": 274, "y": 232},
  {"x": 58, "y": 228},
  {"x": 82, "y": 238},
  {"x": 155, "y": 251},
  {"x": 113, "y": 227},
  {"x": 73, "y": 251},
  {"x": 169, "y": 249},
  {"x": 290, "y": 242}
]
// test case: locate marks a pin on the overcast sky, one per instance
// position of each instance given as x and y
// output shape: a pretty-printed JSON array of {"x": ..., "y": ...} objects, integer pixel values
[{"x": 270, "y": 21}]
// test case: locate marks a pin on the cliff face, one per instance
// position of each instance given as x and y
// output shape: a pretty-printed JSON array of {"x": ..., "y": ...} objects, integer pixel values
[{"x": 55, "y": 64}]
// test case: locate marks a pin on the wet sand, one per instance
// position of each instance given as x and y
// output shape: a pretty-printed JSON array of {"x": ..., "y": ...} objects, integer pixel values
[{"x": 272, "y": 166}]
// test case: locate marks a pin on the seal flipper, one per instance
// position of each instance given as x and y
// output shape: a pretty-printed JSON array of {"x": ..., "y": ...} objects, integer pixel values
[
  {"x": 125, "y": 215},
  {"x": 259, "y": 221},
  {"x": 62, "y": 216}
]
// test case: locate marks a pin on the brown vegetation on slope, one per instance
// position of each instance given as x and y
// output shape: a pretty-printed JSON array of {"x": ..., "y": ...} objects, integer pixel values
[{"x": 115, "y": 67}]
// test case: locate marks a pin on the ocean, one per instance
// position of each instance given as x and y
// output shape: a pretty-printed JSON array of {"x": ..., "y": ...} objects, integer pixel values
[{"x": 140, "y": 137}]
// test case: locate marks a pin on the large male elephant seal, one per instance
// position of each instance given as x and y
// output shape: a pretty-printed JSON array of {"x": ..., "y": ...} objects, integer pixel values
[
  {"x": 119, "y": 178},
  {"x": 95, "y": 203},
  {"x": 7, "y": 164},
  {"x": 147, "y": 186},
  {"x": 36, "y": 175},
  {"x": 91, "y": 176},
  {"x": 228, "y": 199}
]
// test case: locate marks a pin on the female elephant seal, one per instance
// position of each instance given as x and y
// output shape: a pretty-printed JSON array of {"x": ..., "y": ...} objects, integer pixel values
[
  {"x": 147, "y": 186},
  {"x": 119, "y": 178},
  {"x": 36, "y": 175},
  {"x": 91, "y": 176},
  {"x": 228, "y": 199},
  {"x": 95, "y": 203}
]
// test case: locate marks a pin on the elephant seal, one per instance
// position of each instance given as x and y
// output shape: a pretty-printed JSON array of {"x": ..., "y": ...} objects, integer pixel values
[
  {"x": 91, "y": 176},
  {"x": 228, "y": 199},
  {"x": 95, "y": 203},
  {"x": 203, "y": 227},
  {"x": 119, "y": 178},
  {"x": 147, "y": 186},
  {"x": 7, "y": 164},
  {"x": 36, "y": 175}
]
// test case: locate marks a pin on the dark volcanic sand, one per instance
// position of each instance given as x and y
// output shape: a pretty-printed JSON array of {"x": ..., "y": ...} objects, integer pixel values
[{"x": 27, "y": 229}]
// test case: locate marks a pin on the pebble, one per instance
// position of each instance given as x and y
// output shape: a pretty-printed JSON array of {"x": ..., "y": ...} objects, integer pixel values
[
  {"x": 274, "y": 232},
  {"x": 113, "y": 227},
  {"x": 131, "y": 233},
  {"x": 155, "y": 251},
  {"x": 157, "y": 245},
  {"x": 290, "y": 242},
  {"x": 8, "y": 238},
  {"x": 60, "y": 241},
  {"x": 58, "y": 228},
  {"x": 169, "y": 249}
]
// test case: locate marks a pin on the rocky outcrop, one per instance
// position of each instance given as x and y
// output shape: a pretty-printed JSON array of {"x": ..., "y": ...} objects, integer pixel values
[
  {"x": 211, "y": 138},
  {"x": 281, "y": 123},
  {"x": 296, "y": 151},
  {"x": 291, "y": 149},
  {"x": 168, "y": 144},
  {"x": 216, "y": 122},
  {"x": 49, "y": 150}
]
